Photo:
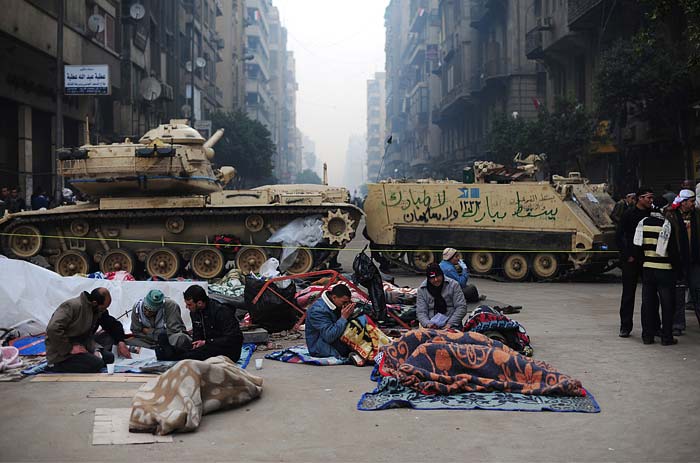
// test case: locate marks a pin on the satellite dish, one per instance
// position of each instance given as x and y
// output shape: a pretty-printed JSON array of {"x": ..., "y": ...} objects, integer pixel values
[
  {"x": 137, "y": 11},
  {"x": 150, "y": 88},
  {"x": 186, "y": 111},
  {"x": 96, "y": 23},
  {"x": 188, "y": 66},
  {"x": 200, "y": 62}
]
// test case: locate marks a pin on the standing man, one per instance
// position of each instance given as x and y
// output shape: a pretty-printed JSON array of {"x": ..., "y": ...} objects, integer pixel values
[
  {"x": 215, "y": 330},
  {"x": 661, "y": 267},
  {"x": 154, "y": 315},
  {"x": 685, "y": 220},
  {"x": 622, "y": 206},
  {"x": 70, "y": 334},
  {"x": 326, "y": 321},
  {"x": 631, "y": 256},
  {"x": 440, "y": 302}
]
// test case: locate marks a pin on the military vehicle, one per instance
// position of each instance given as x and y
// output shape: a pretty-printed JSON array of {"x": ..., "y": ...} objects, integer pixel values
[
  {"x": 512, "y": 229},
  {"x": 159, "y": 205}
]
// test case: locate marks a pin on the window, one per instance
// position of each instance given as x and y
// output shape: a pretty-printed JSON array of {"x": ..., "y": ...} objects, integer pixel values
[{"x": 107, "y": 37}]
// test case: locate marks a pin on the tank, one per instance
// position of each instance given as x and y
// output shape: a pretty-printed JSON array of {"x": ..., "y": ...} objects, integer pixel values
[
  {"x": 506, "y": 224},
  {"x": 159, "y": 207}
]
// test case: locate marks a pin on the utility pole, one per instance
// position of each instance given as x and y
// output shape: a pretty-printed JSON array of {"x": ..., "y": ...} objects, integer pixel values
[{"x": 59, "y": 99}]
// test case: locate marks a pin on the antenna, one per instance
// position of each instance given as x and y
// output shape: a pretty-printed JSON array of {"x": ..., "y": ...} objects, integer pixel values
[
  {"x": 137, "y": 11},
  {"x": 150, "y": 88},
  {"x": 96, "y": 23}
]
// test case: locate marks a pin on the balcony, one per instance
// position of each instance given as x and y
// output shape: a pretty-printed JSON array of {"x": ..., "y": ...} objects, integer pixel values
[
  {"x": 459, "y": 96},
  {"x": 494, "y": 68},
  {"x": 581, "y": 14},
  {"x": 533, "y": 44}
]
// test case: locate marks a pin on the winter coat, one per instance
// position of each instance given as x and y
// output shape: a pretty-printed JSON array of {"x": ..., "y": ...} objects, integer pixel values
[
  {"x": 218, "y": 326},
  {"x": 454, "y": 299},
  {"x": 323, "y": 328},
  {"x": 168, "y": 320},
  {"x": 75, "y": 322}
]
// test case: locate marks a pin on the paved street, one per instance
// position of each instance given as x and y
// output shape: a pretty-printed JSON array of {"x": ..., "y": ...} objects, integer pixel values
[{"x": 648, "y": 397}]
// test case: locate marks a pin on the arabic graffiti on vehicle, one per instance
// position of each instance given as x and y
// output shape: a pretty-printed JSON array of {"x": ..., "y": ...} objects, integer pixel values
[{"x": 472, "y": 205}]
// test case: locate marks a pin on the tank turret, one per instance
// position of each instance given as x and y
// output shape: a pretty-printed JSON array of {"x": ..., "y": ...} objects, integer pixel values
[{"x": 170, "y": 159}]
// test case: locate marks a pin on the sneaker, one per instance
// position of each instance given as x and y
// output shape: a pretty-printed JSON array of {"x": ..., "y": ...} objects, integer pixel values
[
  {"x": 625, "y": 333},
  {"x": 669, "y": 342},
  {"x": 356, "y": 360}
]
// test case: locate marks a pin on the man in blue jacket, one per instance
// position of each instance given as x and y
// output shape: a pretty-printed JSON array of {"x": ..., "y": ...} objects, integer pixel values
[
  {"x": 326, "y": 320},
  {"x": 450, "y": 259}
]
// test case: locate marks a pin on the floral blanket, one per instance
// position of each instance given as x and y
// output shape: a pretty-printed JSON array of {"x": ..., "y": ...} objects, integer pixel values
[
  {"x": 446, "y": 362},
  {"x": 364, "y": 337}
]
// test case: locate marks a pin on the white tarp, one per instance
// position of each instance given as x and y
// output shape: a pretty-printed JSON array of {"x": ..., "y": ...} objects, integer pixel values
[{"x": 29, "y": 291}]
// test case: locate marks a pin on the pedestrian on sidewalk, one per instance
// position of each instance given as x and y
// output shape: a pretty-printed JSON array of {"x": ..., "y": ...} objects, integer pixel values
[{"x": 631, "y": 257}]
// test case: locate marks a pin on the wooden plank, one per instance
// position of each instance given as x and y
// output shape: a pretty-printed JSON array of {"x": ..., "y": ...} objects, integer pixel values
[
  {"x": 111, "y": 427},
  {"x": 96, "y": 378},
  {"x": 112, "y": 394}
]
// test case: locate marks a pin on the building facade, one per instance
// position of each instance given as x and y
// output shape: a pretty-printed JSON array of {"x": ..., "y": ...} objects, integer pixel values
[
  {"x": 230, "y": 73},
  {"x": 376, "y": 125}
]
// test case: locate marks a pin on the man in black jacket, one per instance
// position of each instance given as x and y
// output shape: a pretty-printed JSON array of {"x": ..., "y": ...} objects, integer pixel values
[
  {"x": 631, "y": 257},
  {"x": 215, "y": 330}
]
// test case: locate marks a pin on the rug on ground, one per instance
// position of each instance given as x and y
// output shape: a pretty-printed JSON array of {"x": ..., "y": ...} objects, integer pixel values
[{"x": 300, "y": 354}]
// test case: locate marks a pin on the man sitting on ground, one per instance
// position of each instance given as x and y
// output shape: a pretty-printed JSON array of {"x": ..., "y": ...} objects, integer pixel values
[
  {"x": 215, "y": 330},
  {"x": 70, "y": 334},
  {"x": 154, "y": 315},
  {"x": 326, "y": 320},
  {"x": 440, "y": 303}
]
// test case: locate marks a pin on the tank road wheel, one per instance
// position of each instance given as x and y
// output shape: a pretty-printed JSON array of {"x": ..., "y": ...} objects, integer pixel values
[
  {"x": 421, "y": 259},
  {"x": 254, "y": 223},
  {"x": 175, "y": 224},
  {"x": 250, "y": 259},
  {"x": 25, "y": 241},
  {"x": 116, "y": 260},
  {"x": 482, "y": 262},
  {"x": 79, "y": 228},
  {"x": 396, "y": 256},
  {"x": 545, "y": 265},
  {"x": 337, "y": 227},
  {"x": 516, "y": 267},
  {"x": 207, "y": 263},
  {"x": 163, "y": 263},
  {"x": 71, "y": 262},
  {"x": 303, "y": 263}
]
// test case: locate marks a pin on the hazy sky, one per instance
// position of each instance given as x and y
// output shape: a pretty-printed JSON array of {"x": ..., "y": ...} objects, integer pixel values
[{"x": 338, "y": 45}]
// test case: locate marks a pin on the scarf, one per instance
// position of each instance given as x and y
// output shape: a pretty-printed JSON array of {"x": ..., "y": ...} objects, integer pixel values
[
  {"x": 436, "y": 292},
  {"x": 664, "y": 234},
  {"x": 145, "y": 320}
]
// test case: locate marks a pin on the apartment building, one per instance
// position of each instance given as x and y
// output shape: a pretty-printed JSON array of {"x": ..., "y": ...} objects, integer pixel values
[
  {"x": 376, "y": 124},
  {"x": 230, "y": 73}
]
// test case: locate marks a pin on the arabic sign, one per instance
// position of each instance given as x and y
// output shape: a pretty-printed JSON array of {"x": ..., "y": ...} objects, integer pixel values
[{"x": 90, "y": 79}]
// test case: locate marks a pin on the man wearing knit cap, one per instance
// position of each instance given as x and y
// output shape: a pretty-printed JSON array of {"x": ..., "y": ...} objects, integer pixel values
[
  {"x": 156, "y": 314},
  {"x": 685, "y": 220},
  {"x": 440, "y": 303},
  {"x": 451, "y": 259}
]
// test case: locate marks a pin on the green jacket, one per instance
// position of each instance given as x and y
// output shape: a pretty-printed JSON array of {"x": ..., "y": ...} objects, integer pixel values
[{"x": 75, "y": 322}]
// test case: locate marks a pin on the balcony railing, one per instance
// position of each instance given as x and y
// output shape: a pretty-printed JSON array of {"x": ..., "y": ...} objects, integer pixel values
[
  {"x": 577, "y": 9},
  {"x": 533, "y": 44}
]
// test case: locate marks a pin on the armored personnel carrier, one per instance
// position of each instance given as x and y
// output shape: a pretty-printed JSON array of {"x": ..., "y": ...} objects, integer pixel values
[
  {"x": 159, "y": 205},
  {"x": 503, "y": 226}
]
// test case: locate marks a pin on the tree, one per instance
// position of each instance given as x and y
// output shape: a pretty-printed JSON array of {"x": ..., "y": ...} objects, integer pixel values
[
  {"x": 680, "y": 21},
  {"x": 309, "y": 176},
  {"x": 564, "y": 135},
  {"x": 246, "y": 145}
]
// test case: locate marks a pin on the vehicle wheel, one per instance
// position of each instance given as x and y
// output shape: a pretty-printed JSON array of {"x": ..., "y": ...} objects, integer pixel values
[
  {"x": 207, "y": 263},
  {"x": 545, "y": 266},
  {"x": 482, "y": 262},
  {"x": 163, "y": 263},
  {"x": 25, "y": 241},
  {"x": 250, "y": 259},
  {"x": 496, "y": 336},
  {"x": 116, "y": 260},
  {"x": 396, "y": 256},
  {"x": 71, "y": 262},
  {"x": 421, "y": 259},
  {"x": 303, "y": 263},
  {"x": 516, "y": 267}
]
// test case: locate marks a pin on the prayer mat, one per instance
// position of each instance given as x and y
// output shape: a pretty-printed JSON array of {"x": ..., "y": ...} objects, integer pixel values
[
  {"x": 300, "y": 354},
  {"x": 390, "y": 393}
]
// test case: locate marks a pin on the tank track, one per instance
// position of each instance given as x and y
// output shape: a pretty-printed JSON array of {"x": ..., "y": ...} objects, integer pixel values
[
  {"x": 568, "y": 274},
  {"x": 185, "y": 212}
]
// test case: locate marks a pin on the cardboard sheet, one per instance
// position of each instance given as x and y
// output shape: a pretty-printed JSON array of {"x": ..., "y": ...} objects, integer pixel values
[{"x": 112, "y": 428}]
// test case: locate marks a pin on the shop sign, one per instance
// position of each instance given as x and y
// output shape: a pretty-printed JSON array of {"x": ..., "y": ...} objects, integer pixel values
[{"x": 90, "y": 79}]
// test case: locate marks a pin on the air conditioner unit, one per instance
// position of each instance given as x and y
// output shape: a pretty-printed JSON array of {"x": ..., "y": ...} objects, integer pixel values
[
  {"x": 166, "y": 92},
  {"x": 545, "y": 23},
  {"x": 220, "y": 44}
]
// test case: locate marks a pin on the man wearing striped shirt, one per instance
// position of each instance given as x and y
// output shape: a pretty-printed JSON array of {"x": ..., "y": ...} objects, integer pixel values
[{"x": 660, "y": 270}]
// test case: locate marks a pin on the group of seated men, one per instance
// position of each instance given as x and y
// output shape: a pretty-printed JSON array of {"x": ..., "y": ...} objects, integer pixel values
[
  {"x": 440, "y": 304},
  {"x": 74, "y": 346}
]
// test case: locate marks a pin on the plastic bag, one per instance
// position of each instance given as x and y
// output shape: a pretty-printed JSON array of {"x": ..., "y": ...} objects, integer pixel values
[
  {"x": 367, "y": 274},
  {"x": 303, "y": 231},
  {"x": 269, "y": 268}
]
